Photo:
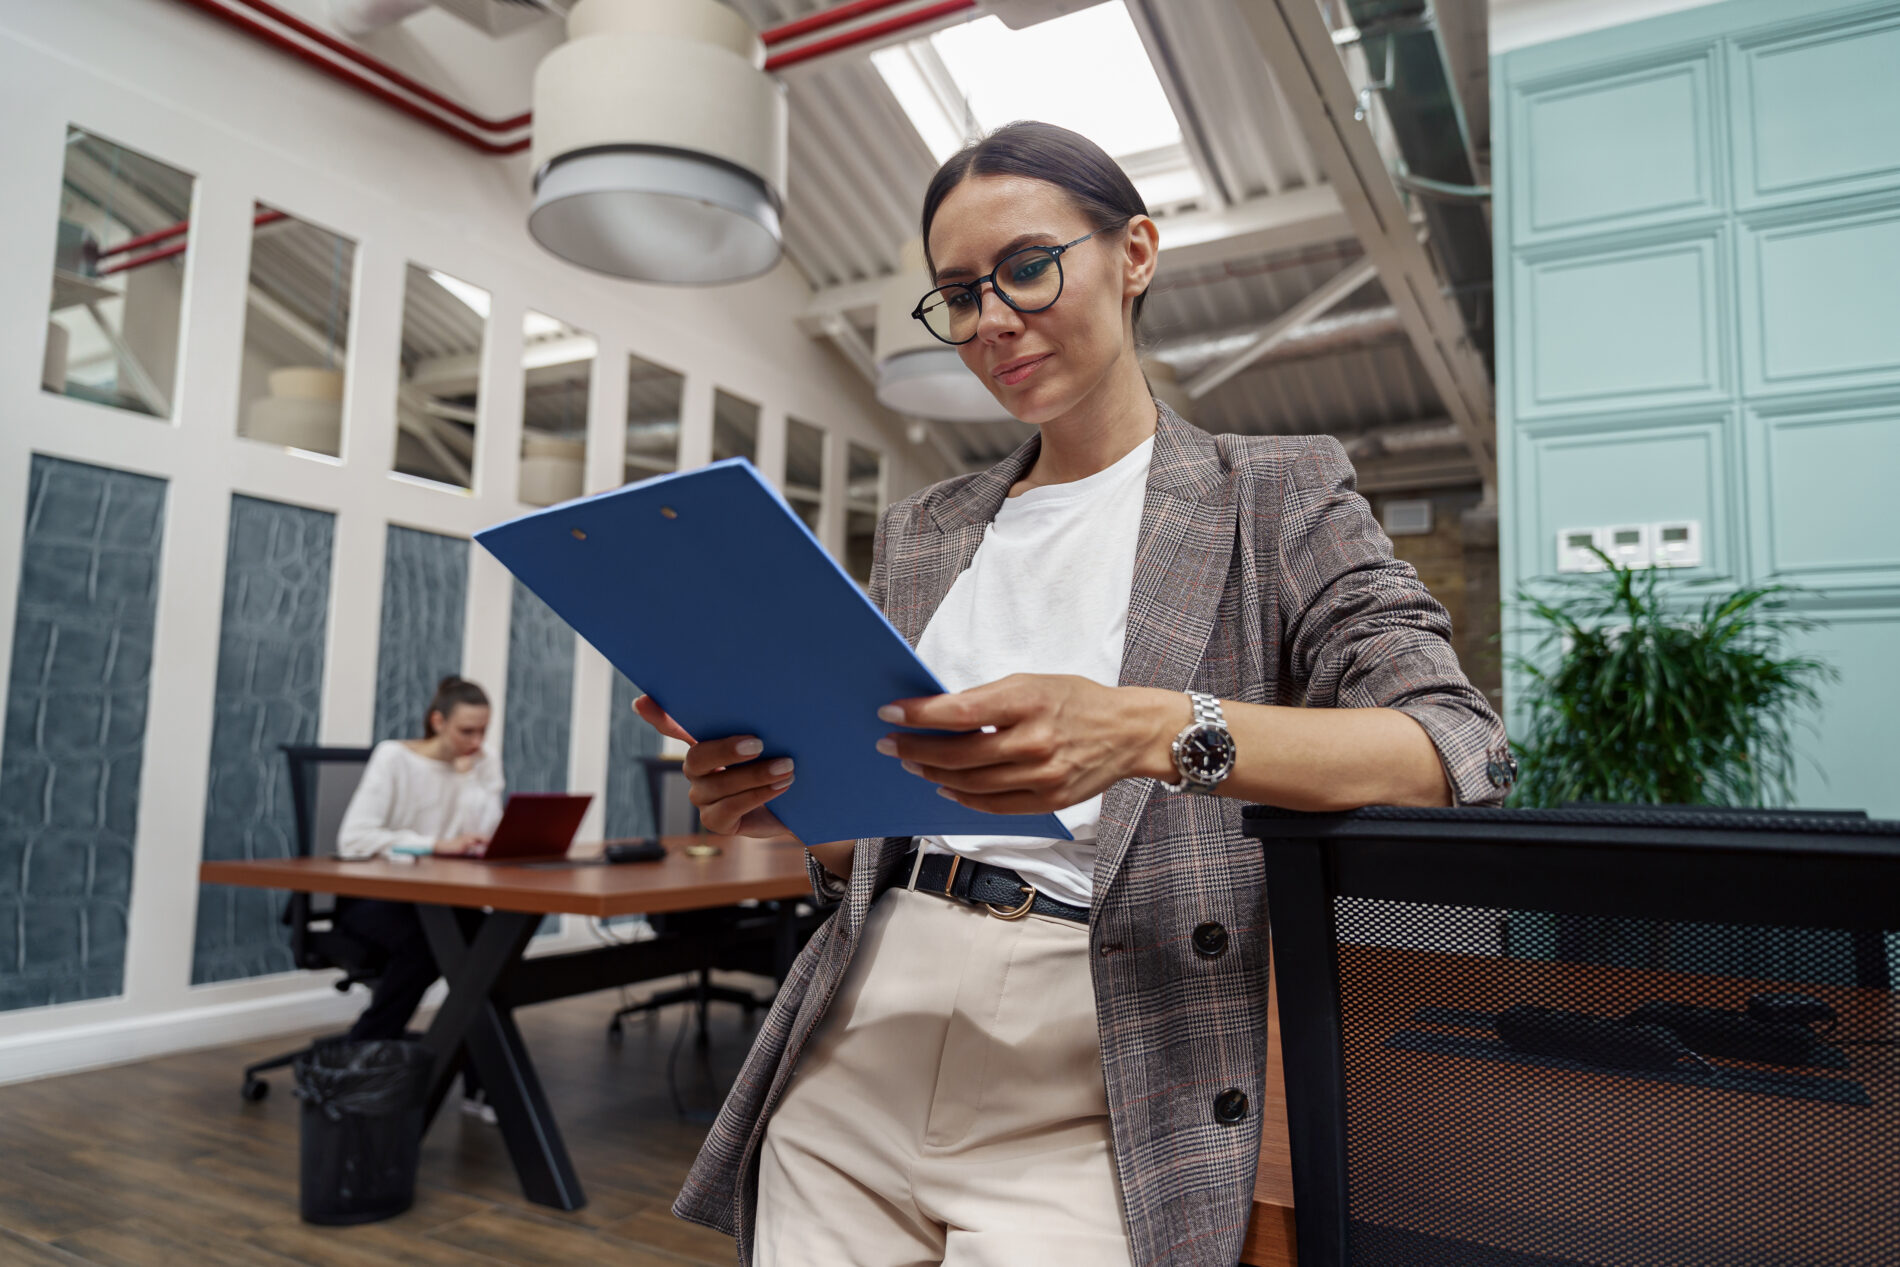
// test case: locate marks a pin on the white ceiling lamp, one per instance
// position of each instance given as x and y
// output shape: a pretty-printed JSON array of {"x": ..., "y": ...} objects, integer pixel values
[
  {"x": 917, "y": 373},
  {"x": 659, "y": 144},
  {"x": 304, "y": 410}
]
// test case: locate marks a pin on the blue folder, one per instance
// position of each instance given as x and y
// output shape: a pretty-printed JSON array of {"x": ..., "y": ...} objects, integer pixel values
[{"x": 709, "y": 592}]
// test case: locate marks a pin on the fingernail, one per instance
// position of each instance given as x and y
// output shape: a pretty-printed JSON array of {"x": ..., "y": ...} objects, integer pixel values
[
  {"x": 892, "y": 714},
  {"x": 782, "y": 766},
  {"x": 913, "y": 767},
  {"x": 750, "y": 747},
  {"x": 781, "y": 785},
  {"x": 946, "y": 794},
  {"x": 886, "y": 747}
]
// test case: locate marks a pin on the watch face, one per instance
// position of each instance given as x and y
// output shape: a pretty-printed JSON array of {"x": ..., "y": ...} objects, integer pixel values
[{"x": 1207, "y": 754}]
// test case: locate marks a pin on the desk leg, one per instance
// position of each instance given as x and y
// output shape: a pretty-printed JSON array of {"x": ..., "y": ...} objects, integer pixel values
[{"x": 470, "y": 1016}]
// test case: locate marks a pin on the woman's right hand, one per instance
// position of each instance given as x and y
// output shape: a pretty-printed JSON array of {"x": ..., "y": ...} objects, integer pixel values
[
  {"x": 727, "y": 786},
  {"x": 460, "y": 846}
]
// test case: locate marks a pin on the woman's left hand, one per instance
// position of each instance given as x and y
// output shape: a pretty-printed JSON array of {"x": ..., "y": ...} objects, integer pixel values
[{"x": 1058, "y": 740}]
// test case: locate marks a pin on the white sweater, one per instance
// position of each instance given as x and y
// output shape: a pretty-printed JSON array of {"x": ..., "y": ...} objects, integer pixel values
[{"x": 406, "y": 798}]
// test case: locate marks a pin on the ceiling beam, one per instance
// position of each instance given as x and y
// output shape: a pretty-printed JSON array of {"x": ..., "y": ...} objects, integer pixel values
[
  {"x": 1293, "y": 37},
  {"x": 1290, "y": 221},
  {"x": 1323, "y": 299}
]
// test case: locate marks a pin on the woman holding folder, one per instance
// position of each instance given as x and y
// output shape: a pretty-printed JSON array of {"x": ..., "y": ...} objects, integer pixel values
[{"x": 1002, "y": 1050}]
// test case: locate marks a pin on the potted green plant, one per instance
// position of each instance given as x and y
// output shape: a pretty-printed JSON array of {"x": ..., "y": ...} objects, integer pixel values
[{"x": 1635, "y": 695}]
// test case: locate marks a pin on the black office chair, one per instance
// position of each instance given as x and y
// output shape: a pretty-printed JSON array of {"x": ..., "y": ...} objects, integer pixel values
[
  {"x": 322, "y": 781},
  {"x": 1467, "y": 1091},
  {"x": 740, "y": 928}
]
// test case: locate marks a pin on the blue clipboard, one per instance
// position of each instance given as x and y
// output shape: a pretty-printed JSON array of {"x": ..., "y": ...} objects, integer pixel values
[{"x": 707, "y": 590}]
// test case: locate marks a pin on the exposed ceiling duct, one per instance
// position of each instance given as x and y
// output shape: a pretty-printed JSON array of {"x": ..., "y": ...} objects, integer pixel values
[
  {"x": 1323, "y": 336},
  {"x": 659, "y": 144},
  {"x": 1411, "y": 73}
]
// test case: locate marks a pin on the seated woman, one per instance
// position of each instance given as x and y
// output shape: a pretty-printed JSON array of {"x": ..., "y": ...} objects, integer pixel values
[{"x": 441, "y": 794}]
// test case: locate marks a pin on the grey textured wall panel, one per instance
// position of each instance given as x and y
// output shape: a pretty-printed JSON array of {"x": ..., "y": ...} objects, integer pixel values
[
  {"x": 425, "y": 596},
  {"x": 540, "y": 696},
  {"x": 629, "y": 806},
  {"x": 74, "y": 735},
  {"x": 269, "y": 693}
]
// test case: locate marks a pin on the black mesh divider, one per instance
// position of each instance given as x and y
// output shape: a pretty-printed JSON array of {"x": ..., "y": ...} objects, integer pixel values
[
  {"x": 1576, "y": 1112},
  {"x": 1557, "y": 1075}
]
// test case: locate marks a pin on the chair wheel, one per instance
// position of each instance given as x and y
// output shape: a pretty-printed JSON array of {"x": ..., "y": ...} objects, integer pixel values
[
  {"x": 614, "y": 1030},
  {"x": 255, "y": 1089}
]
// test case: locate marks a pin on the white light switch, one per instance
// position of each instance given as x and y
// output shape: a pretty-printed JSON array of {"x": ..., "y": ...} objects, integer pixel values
[
  {"x": 1677, "y": 544},
  {"x": 1573, "y": 550},
  {"x": 1628, "y": 545}
]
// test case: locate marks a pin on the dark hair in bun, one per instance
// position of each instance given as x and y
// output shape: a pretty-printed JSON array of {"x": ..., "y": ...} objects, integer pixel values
[{"x": 449, "y": 692}]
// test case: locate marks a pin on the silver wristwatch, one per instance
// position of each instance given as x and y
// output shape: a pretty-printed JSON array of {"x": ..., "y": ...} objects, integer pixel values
[{"x": 1204, "y": 752}]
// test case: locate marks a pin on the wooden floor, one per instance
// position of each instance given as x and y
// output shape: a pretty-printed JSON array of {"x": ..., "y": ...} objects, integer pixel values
[{"x": 162, "y": 1163}]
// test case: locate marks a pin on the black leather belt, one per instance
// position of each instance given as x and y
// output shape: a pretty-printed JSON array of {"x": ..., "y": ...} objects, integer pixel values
[{"x": 1002, "y": 891}]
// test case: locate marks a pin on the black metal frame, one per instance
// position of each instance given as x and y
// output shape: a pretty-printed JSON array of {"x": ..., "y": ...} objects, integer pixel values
[
  {"x": 1775, "y": 869},
  {"x": 488, "y": 979}
]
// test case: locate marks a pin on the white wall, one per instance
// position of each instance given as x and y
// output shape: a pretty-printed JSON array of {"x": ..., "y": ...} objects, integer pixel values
[
  {"x": 1516, "y": 23},
  {"x": 254, "y": 126}
]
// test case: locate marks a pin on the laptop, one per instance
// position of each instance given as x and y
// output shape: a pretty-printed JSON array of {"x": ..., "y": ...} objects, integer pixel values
[{"x": 534, "y": 825}]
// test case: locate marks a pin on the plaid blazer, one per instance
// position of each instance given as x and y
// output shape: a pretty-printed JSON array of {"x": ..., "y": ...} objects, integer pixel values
[{"x": 1262, "y": 577}]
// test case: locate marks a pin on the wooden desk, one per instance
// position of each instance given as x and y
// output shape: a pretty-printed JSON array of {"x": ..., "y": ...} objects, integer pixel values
[{"x": 488, "y": 977}]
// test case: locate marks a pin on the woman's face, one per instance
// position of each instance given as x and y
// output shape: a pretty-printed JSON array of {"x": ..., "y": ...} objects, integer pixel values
[
  {"x": 1041, "y": 365},
  {"x": 463, "y": 729}
]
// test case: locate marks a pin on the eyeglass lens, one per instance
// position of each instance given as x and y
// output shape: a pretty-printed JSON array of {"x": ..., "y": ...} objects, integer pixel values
[{"x": 1029, "y": 281}]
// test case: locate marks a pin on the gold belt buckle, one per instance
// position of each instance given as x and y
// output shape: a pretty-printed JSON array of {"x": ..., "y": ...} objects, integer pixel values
[
  {"x": 1020, "y": 911},
  {"x": 950, "y": 880}
]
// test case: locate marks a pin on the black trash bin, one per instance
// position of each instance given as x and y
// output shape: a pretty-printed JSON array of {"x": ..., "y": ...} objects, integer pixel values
[{"x": 362, "y": 1128}]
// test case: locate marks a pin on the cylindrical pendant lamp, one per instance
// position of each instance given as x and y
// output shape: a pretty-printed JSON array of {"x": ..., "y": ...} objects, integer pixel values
[
  {"x": 918, "y": 374},
  {"x": 659, "y": 144}
]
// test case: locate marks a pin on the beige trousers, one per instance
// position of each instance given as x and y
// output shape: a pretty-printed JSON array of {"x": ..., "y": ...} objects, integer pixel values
[{"x": 950, "y": 1107}]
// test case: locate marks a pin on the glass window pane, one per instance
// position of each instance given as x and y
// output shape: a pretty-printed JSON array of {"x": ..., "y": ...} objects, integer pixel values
[
  {"x": 864, "y": 502},
  {"x": 444, "y": 321},
  {"x": 805, "y": 470},
  {"x": 653, "y": 419},
  {"x": 296, "y": 333},
  {"x": 735, "y": 428},
  {"x": 118, "y": 277},
  {"x": 557, "y": 368}
]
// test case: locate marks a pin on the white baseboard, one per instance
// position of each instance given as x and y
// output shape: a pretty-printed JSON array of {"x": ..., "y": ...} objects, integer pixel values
[{"x": 96, "y": 1044}]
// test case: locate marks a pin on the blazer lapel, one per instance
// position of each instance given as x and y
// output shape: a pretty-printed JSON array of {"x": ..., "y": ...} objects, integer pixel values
[
  {"x": 1182, "y": 563},
  {"x": 922, "y": 565}
]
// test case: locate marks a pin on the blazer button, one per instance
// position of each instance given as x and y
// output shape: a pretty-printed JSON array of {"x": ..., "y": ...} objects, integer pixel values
[
  {"x": 1210, "y": 940},
  {"x": 1230, "y": 1106}
]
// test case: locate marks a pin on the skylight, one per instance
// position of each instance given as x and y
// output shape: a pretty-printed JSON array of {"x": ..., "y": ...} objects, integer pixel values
[{"x": 1087, "y": 71}]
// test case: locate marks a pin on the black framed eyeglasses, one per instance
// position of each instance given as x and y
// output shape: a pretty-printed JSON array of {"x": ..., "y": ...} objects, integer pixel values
[{"x": 1028, "y": 280}]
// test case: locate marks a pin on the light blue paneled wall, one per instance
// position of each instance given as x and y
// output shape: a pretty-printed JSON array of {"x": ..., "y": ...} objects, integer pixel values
[
  {"x": 74, "y": 742},
  {"x": 269, "y": 693},
  {"x": 1698, "y": 232},
  {"x": 425, "y": 595}
]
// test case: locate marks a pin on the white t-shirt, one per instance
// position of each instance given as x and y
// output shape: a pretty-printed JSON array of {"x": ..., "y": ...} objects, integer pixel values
[
  {"x": 1047, "y": 592},
  {"x": 406, "y": 798}
]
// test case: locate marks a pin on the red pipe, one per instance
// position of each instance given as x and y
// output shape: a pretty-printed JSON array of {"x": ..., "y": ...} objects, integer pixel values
[
  {"x": 261, "y": 219},
  {"x": 172, "y": 231},
  {"x": 338, "y": 71},
  {"x": 394, "y": 76},
  {"x": 139, "y": 261},
  {"x": 824, "y": 18},
  {"x": 776, "y": 35},
  {"x": 865, "y": 34}
]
